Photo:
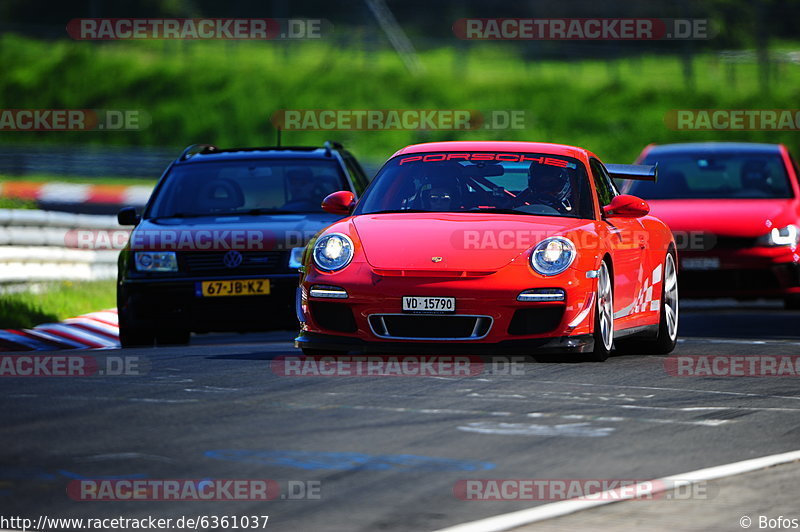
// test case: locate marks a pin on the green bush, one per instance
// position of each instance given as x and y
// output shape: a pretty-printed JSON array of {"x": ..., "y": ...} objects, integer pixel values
[{"x": 225, "y": 92}]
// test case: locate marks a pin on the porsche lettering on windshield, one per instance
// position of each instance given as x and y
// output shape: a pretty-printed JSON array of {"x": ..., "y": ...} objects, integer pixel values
[{"x": 504, "y": 157}]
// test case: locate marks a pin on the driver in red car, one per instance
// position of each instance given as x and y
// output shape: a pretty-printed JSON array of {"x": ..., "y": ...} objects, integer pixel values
[
  {"x": 440, "y": 194},
  {"x": 547, "y": 185}
]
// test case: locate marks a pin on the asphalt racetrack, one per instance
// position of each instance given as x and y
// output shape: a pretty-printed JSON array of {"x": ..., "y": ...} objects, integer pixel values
[{"x": 370, "y": 453}]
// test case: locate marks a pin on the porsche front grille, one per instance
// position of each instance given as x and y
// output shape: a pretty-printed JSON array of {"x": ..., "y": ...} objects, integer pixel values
[{"x": 430, "y": 327}]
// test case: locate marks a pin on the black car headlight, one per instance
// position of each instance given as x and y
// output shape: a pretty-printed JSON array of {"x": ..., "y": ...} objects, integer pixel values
[
  {"x": 333, "y": 252},
  {"x": 155, "y": 261}
]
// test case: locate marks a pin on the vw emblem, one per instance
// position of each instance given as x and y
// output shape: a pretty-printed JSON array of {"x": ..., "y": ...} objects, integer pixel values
[
  {"x": 232, "y": 259},
  {"x": 436, "y": 259}
]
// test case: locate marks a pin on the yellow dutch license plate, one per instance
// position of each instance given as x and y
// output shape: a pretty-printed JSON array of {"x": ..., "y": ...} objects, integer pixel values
[{"x": 240, "y": 287}]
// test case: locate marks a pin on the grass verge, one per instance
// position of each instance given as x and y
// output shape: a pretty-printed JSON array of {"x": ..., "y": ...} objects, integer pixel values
[{"x": 50, "y": 302}]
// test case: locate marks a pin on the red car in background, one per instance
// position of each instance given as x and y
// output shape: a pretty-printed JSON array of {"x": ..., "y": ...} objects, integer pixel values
[
  {"x": 735, "y": 213},
  {"x": 490, "y": 247}
]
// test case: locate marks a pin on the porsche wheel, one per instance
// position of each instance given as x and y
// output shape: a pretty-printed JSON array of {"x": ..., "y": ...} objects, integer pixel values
[
  {"x": 603, "y": 317},
  {"x": 668, "y": 322}
]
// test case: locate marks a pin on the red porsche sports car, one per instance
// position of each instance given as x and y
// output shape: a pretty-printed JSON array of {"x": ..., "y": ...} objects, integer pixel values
[
  {"x": 491, "y": 248},
  {"x": 735, "y": 210}
]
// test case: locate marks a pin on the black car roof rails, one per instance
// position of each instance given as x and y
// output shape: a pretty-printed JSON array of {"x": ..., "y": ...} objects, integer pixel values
[
  {"x": 332, "y": 145},
  {"x": 194, "y": 149}
]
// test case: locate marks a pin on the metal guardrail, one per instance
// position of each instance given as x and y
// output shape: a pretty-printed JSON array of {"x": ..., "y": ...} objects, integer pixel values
[
  {"x": 88, "y": 161},
  {"x": 98, "y": 161},
  {"x": 41, "y": 246}
]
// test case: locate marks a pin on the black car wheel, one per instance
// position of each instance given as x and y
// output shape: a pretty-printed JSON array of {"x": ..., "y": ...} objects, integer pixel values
[
  {"x": 132, "y": 336},
  {"x": 173, "y": 337}
]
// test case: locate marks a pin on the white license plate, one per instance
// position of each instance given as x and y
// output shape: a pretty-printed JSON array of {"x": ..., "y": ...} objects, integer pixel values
[
  {"x": 700, "y": 263},
  {"x": 429, "y": 304}
]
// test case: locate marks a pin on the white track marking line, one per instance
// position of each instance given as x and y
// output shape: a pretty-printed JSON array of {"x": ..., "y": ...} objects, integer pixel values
[
  {"x": 709, "y": 408},
  {"x": 562, "y": 383},
  {"x": 779, "y": 341},
  {"x": 618, "y": 419},
  {"x": 511, "y": 520}
]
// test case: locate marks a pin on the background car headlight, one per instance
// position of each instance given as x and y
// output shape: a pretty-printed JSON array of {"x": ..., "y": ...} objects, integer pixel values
[
  {"x": 552, "y": 256},
  {"x": 785, "y": 236},
  {"x": 333, "y": 252},
  {"x": 296, "y": 258},
  {"x": 161, "y": 261}
]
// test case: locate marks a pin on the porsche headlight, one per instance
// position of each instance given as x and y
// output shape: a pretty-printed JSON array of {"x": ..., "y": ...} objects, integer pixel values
[
  {"x": 553, "y": 255},
  {"x": 784, "y": 236},
  {"x": 333, "y": 252},
  {"x": 156, "y": 261}
]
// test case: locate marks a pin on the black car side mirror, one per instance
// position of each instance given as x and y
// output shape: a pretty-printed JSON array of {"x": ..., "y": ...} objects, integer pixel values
[{"x": 128, "y": 216}]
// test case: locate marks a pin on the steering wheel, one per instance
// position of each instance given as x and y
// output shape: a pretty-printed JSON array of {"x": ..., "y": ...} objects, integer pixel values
[{"x": 538, "y": 208}]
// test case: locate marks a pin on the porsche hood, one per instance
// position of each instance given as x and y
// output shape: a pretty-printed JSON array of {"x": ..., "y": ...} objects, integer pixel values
[{"x": 453, "y": 241}]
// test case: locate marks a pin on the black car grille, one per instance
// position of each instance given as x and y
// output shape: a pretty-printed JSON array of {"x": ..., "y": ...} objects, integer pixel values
[
  {"x": 691, "y": 241},
  {"x": 433, "y": 327},
  {"x": 252, "y": 262},
  {"x": 729, "y": 242},
  {"x": 722, "y": 280}
]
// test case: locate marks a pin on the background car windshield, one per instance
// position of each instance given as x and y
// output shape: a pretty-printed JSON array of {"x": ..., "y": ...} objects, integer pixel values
[
  {"x": 532, "y": 184},
  {"x": 714, "y": 176},
  {"x": 214, "y": 188}
]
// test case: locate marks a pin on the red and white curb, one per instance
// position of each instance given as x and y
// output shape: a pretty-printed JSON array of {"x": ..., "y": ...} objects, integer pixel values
[
  {"x": 76, "y": 192},
  {"x": 94, "y": 330}
]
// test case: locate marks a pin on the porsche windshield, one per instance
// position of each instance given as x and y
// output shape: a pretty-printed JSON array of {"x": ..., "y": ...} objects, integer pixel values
[
  {"x": 521, "y": 183},
  {"x": 242, "y": 187},
  {"x": 705, "y": 175}
]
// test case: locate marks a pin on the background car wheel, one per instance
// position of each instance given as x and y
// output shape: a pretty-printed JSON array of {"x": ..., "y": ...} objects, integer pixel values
[
  {"x": 668, "y": 323},
  {"x": 178, "y": 337},
  {"x": 136, "y": 336},
  {"x": 791, "y": 303},
  {"x": 603, "y": 317},
  {"x": 313, "y": 352}
]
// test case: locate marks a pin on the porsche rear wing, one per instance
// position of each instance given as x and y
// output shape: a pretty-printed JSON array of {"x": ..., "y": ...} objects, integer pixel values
[{"x": 639, "y": 172}]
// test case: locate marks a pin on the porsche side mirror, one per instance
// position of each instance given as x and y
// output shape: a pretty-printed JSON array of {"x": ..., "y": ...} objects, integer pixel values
[
  {"x": 627, "y": 206},
  {"x": 341, "y": 202}
]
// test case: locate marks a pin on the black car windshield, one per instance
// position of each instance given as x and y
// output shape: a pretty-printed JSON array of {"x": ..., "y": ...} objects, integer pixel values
[
  {"x": 705, "y": 175},
  {"x": 516, "y": 183},
  {"x": 247, "y": 187}
]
